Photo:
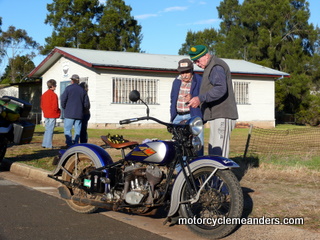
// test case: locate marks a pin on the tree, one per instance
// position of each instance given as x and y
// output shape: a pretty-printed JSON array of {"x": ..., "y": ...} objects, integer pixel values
[
  {"x": 22, "y": 66},
  {"x": 88, "y": 24},
  {"x": 74, "y": 23},
  {"x": 208, "y": 37},
  {"x": 18, "y": 41},
  {"x": 274, "y": 34},
  {"x": 118, "y": 30}
]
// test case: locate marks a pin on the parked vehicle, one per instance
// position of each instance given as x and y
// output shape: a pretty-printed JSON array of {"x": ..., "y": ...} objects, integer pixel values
[
  {"x": 145, "y": 179},
  {"x": 12, "y": 128}
]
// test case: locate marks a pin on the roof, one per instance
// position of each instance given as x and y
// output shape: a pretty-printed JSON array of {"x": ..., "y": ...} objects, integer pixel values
[{"x": 142, "y": 62}]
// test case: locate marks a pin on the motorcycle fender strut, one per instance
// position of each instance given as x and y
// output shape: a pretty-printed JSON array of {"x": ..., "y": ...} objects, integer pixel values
[
  {"x": 205, "y": 161},
  {"x": 97, "y": 154}
]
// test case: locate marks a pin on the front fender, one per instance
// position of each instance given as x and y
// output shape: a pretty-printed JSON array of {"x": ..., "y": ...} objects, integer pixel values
[
  {"x": 203, "y": 161},
  {"x": 97, "y": 154}
]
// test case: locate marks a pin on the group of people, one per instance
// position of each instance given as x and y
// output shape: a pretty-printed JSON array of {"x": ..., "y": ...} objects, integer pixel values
[
  {"x": 209, "y": 96},
  {"x": 76, "y": 109}
]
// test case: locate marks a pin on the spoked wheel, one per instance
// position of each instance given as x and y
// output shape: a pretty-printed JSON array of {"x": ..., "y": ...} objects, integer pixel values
[
  {"x": 221, "y": 198},
  {"x": 76, "y": 166}
]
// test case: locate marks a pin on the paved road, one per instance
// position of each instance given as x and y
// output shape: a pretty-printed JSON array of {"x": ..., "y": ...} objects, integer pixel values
[{"x": 30, "y": 214}]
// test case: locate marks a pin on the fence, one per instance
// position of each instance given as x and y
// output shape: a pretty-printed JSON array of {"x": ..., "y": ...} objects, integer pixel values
[{"x": 303, "y": 142}]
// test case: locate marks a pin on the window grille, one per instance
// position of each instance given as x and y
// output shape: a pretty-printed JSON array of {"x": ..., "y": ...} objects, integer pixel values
[
  {"x": 148, "y": 89},
  {"x": 241, "y": 92}
]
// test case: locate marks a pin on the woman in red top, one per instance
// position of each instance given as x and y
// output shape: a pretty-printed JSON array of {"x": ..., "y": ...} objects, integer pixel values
[{"x": 51, "y": 111}]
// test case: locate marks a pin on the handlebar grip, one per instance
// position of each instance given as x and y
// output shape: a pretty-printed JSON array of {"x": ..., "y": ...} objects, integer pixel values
[{"x": 127, "y": 121}]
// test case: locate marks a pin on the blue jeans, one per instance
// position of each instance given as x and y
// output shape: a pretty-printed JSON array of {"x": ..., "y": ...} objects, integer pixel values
[
  {"x": 50, "y": 123},
  {"x": 68, "y": 124}
]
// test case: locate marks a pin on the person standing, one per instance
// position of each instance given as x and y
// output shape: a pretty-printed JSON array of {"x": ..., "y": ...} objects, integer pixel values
[
  {"x": 86, "y": 117},
  {"x": 183, "y": 89},
  {"x": 74, "y": 100},
  {"x": 216, "y": 99},
  {"x": 50, "y": 107}
]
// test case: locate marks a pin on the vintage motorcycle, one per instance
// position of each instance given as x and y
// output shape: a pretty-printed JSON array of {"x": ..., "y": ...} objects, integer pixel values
[
  {"x": 146, "y": 179},
  {"x": 12, "y": 130}
]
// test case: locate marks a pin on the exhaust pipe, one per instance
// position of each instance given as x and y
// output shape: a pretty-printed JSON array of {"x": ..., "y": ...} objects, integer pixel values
[
  {"x": 94, "y": 203},
  {"x": 64, "y": 192}
]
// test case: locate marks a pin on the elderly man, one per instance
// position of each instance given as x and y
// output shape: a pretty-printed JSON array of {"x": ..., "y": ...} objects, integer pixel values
[
  {"x": 216, "y": 99},
  {"x": 184, "y": 87}
]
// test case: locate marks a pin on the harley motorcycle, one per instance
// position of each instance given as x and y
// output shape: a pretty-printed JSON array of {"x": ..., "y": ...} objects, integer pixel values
[{"x": 146, "y": 178}]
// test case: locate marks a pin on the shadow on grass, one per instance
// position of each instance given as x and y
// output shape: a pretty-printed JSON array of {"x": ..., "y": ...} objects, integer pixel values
[{"x": 36, "y": 155}]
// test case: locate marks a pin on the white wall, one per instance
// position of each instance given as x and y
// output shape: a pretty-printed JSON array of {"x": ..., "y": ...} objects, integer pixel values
[
  {"x": 104, "y": 111},
  {"x": 261, "y": 107}
]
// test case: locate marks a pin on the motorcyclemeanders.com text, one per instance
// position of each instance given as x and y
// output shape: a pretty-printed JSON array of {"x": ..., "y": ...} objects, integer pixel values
[{"x": 241, "y": 221}]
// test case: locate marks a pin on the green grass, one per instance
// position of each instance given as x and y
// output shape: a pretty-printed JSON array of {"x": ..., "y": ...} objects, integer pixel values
[{"x": 34, "y": 155}]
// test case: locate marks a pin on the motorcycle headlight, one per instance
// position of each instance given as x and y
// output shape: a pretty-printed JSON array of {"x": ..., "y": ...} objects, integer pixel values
[
  {"x": 196, "y": 125},
  {"x": 196, "y": 143}
]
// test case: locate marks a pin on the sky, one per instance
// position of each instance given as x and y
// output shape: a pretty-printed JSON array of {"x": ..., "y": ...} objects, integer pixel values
[{"x": 165, "y": 23}]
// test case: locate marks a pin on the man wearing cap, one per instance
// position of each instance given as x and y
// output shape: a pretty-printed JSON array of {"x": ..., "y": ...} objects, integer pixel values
[
  {"x": 73, "y": 100},
  {"x": 216, "y": 98},
  {"x": 184, "y": 87}
]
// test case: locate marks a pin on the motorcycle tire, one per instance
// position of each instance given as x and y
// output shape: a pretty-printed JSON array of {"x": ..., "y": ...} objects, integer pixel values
[
  {"x": 77, "y": 165},
  {"x": 3, "y": 148},
  {"x": 221, "y": 197}
]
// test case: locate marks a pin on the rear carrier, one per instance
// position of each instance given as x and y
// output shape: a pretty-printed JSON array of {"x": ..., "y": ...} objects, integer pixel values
[{"x": 16, "y": 105}]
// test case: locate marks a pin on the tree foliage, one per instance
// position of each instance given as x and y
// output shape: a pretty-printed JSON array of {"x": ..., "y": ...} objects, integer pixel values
[
  {"x": 13, "y": 42},
  {"x": 118, "y": 30},
  {"x": 88, "y": 24},
  {"x": 23, "y": 65},
  {"x": 275, "y": 34}
]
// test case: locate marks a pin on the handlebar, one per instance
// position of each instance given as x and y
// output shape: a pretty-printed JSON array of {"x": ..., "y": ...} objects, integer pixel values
[{"x": 131, "y": 120}]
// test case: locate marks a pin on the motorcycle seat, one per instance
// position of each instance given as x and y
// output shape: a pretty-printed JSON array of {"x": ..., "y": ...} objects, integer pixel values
[{"x": 121, "y": 145}]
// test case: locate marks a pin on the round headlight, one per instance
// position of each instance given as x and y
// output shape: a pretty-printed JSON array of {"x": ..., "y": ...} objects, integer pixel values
[{"x": 196, "y": 125}]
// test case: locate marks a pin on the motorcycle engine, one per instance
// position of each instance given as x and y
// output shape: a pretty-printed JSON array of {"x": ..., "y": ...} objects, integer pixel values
[{"x": 140, "y": 182}]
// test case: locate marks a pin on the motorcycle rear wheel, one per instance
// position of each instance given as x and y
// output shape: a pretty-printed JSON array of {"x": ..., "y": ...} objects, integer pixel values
[
  {"x": 221, "y": 197},
  {"x": 76, "y": 165}
]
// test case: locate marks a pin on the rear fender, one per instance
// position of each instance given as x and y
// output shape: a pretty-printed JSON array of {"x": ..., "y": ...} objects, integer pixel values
[
  {"x": 97, "y": 154},
  {"x": 203, "y": 161}
]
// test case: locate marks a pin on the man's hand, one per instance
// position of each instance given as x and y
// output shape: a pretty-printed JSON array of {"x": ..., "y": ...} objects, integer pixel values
[{"x": 194, "y": 102}]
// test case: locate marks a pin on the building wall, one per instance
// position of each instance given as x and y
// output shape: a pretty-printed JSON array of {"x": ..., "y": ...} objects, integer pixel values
[
  {"x": 105, "y": 113},
  {"x": 261, "y": 108}
]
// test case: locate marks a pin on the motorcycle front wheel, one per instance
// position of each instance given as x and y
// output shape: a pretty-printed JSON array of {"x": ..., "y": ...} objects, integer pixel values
[
  {"x": 221, "y": 198},
  {"x": 78, "y": 165}
]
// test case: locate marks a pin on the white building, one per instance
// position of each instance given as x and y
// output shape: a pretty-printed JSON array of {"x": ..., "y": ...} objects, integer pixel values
[{"x": 112, "y": 75}]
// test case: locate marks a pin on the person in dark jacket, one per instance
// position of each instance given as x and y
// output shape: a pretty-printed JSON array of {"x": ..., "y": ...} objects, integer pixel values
[
  {"x": 86, "y": 117},
  {"x": 184, "y": 87},
  {"x": 74, "y": 100},
  {"x": 216, "y": 98}
]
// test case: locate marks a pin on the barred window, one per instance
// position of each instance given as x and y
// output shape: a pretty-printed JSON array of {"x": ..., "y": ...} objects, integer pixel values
[
  {"x": 241, "y": 92},
  {"x": 148, "y": 89}
]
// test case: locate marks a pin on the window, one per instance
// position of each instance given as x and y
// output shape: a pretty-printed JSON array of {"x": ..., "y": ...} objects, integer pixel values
[
  {"x": 148, "y": 89},
  {"x": 241, "y": 92}
]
